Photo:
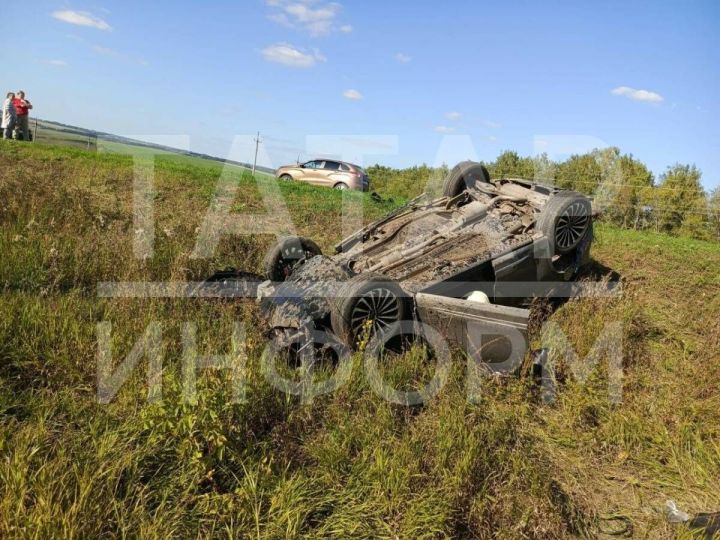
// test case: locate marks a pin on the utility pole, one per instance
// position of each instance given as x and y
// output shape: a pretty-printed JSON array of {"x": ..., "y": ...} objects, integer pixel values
[{"x": 257, "y": 144}]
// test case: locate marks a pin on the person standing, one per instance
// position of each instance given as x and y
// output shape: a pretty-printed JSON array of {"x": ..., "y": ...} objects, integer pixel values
[
  {"x": 22, "y": 109},
  {"x": 8, "y": 116}
]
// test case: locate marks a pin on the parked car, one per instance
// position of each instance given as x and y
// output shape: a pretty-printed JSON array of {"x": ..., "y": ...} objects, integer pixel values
[
  {"x": 461, "y": 263},
  {"x": 328, "y": 173}
]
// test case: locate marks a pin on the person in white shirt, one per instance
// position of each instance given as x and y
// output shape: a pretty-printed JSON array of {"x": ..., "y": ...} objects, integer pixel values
[{"x": 9, "y": 116}]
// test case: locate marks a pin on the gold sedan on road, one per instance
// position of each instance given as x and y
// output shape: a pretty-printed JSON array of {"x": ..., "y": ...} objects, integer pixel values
[{"x": 328, "y": 173}]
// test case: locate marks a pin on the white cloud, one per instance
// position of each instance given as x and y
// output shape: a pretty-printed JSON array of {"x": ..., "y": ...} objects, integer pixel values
[
  {"x": 312, "y": 16},
  {"x": 352, "y": 94},
  {"x": 637, "y": 95},
  {"x": 56, "y": 63},
  {"x": 402, "y": 58},
  {"x": 81, "y": 18},
  {"x": 443, "y": 129},
  {"x": 454, "y": 116},
  {"x": 288, "y": 55},
  {"x": 491, "y": 124}
]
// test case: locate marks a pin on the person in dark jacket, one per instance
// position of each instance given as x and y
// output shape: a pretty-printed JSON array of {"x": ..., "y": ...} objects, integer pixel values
[{"x": 22, "y": 110}]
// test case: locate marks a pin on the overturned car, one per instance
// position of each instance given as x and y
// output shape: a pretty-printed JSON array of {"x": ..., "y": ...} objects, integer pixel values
[{"x": 463, "y": 264}]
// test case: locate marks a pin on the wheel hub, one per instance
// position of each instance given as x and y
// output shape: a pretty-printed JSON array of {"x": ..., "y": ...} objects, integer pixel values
[
  {"x": 571, "y": 226},
  {"x": 380, "y": 306}
]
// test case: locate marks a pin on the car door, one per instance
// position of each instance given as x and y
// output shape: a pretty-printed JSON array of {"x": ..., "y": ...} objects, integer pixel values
[
  {"x": 346, "y": 175},
  {"x": 313, "y": 172},
  {"x": 331, "y": 174},
  {"x": 493, "y": 334}
]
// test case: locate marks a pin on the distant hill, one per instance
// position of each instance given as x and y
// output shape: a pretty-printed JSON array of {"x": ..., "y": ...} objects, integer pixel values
[{"x": 47, "y": 131}]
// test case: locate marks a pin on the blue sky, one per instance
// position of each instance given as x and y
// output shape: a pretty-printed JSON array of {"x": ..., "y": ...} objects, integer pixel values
[{"x": 400, "y": 83}]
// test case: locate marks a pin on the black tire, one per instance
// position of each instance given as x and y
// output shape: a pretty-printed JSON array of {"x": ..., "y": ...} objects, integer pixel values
[
  {"x": 464, "y": 176},
  {"x": 286, "y": 178},
  {"x": 585, "y": 255},
  {"x": 367, "y": 297},
  {"x": 566, "y": 220},
  {"x": 286, "y": 254},
  {"x": 342, "y": 186}
]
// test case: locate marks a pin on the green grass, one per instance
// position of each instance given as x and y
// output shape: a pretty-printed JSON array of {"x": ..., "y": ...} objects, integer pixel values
[
  {"x": 49, "y": 133},
  {"x": 348, "y": 464}
]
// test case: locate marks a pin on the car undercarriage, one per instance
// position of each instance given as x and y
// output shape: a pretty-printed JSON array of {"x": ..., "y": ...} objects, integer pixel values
[{"x": 465, "y": 263}]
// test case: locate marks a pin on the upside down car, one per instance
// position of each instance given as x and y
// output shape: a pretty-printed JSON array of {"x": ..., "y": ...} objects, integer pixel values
[{"x": 463, "y": 264}]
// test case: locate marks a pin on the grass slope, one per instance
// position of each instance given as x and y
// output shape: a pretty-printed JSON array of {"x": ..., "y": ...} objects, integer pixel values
[
  {"x": 47, "y": 132},
  {"x": 348, "y": 464}
]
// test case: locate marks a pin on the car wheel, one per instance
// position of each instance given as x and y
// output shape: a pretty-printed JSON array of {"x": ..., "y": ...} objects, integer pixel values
[
  {"x": 566, "y": 220},
  {"x": 286, "y": 178},
  {"x": 285, "y": 255},
  {"x": 464, "y": 176},
  {"x": 341, "y": 186},
  {"x": 367, "y": 305}
]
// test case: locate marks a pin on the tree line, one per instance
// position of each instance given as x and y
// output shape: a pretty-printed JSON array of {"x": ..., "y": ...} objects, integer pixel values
[{"x": 621, "y": 186}]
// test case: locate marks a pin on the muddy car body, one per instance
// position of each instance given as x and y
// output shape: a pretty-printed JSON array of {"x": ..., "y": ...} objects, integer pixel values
[{"x": 429, "y": 262}]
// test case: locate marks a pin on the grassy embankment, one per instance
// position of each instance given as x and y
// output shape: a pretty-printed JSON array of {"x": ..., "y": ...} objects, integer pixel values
[{"x": 348, "y": 464}]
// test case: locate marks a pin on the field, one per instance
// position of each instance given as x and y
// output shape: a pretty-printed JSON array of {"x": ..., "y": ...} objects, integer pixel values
[
  {"x": 54, "y": 133},
  {"x": 346, "y": 464}
]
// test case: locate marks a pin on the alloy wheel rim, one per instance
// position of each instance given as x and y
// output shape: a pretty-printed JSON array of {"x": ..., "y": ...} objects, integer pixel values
[
  {"x": 571, "y": 225},
  {"x": 380, "y": 306}
]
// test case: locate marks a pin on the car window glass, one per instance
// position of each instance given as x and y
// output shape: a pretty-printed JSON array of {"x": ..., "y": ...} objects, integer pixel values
[
  {"x": 332, "y": 165},
  {"x": 312, "y": 165},
  {"x": 344, "y": 167}
]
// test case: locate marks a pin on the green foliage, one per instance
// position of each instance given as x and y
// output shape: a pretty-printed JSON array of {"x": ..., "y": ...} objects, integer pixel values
[
  {"x": 510, "y": 164},
  {"x": 622, "y": 187},
  {"x": 714, "y": 213},
  {"x": 406, "y": 183},
  {"x": 581, "y": 173},
  {"x": 681, "y": 202}
]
